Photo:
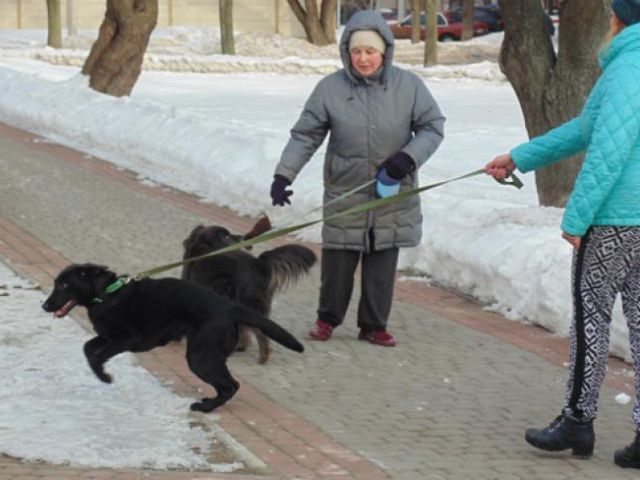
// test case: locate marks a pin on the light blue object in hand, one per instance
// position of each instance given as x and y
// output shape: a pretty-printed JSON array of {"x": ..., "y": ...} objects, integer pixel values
[{"x": 386, "y": 186}]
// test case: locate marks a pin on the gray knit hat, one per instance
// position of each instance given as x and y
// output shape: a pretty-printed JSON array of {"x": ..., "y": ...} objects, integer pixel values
[
  {"x": 367, "y": 38},
  {"x": 628, "y": 11}
]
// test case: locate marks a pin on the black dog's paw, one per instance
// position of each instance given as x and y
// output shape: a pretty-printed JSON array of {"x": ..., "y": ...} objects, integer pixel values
[{"x": 205, "y": 406}]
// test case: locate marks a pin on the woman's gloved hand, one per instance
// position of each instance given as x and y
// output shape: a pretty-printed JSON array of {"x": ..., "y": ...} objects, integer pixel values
[
  {"x": 399, "y": 165},
  {"x": 279, "y": 194}
]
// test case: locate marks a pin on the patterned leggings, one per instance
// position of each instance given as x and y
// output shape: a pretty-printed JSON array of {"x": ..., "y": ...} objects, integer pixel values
[{"x": 607, "y": 263}]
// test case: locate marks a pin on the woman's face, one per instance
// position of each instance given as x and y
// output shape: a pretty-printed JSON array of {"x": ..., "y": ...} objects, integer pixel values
[
  {"x": 366, "y": 60},
  {"x": 615, "y": 27}
]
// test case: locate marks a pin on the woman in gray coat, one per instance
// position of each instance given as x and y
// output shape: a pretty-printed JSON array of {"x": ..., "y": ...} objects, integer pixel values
[{"x": 384, "y": 125}]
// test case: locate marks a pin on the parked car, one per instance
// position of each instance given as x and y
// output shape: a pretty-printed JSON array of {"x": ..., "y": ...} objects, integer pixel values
[
  {"x": 492, "y": 16},
  {"x": 447, "y": 31},
  {"x": 489, "y": 14}
]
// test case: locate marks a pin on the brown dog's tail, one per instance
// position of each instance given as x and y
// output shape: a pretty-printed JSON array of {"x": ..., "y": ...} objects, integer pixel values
[
  {"x": 270, "y": 328},
  {"x": 287, "y": 264}
]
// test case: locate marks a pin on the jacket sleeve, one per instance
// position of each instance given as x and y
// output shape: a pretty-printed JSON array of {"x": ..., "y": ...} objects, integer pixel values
[
  {"x": 306, "y": 135},
  {"x": 427, "y": 125},
  {"x": 558, "y": 143},
  {"x": 616, "y": 131}
]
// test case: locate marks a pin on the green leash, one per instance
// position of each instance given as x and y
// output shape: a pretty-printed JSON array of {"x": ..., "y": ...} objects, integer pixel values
[{"x": 281, "y": 232}]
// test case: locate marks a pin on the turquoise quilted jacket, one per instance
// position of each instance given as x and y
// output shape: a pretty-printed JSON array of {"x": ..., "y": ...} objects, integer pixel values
[{"x": 607, "y": 189}]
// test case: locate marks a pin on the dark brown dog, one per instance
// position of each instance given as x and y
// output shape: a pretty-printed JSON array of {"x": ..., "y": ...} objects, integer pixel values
[
  {"x": 245, "y": 279},
  {"x": 149, "y": 313}
]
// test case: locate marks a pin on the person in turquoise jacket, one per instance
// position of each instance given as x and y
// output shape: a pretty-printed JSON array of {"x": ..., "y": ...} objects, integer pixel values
[{"x": 602, "y": 222}]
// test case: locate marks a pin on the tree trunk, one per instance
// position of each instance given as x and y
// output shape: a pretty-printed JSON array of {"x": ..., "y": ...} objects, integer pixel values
[
  {"x": 416, "y": 7},
  {"x": 552, "y": 89},
  {"x": 467, "y": 20},
  {"x": 115, "y": 60},
  {"x": 320, "y": 28},
  {"x": 226, "y": 27},
  {"x": 328, "y": 19},
  {"x": 431, "y": 33},
  {"x": 54, "y": 37}
]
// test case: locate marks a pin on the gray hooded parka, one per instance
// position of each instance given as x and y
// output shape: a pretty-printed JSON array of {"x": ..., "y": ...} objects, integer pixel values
[{"x": 369, "y": 119}]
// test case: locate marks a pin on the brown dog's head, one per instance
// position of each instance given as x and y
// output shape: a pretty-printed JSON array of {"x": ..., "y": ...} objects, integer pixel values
[
  {"x": 203, "y": 240},
  {"x": 77, "y": 285}
]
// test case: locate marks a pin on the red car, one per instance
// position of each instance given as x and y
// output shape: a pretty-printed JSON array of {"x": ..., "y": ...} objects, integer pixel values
[{"x": 447, "y": 31}]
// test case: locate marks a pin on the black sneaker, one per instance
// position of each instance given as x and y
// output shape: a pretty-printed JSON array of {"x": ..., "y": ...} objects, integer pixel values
[
  {"x": 564, "y": 433},
  {"x": 629, "y": 456}
]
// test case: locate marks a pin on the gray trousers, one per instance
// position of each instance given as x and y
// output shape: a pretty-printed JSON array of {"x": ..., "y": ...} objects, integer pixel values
[
  {"x": 607, "y": 263},
  {"x": 378, "y": 279}
]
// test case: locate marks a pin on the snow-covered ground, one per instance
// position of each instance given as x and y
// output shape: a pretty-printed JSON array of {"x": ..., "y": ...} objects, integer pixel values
[
  {"x": 53, "y": 409},
  {"x": 220, "y": 136}
]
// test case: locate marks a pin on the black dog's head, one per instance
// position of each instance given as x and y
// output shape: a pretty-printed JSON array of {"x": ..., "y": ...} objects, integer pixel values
[
  {"x": 77, "y": 285},
  {"x": 203, "y": 240}
]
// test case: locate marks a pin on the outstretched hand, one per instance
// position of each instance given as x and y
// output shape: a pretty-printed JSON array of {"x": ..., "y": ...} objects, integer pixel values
[
  {"x": 500, "y": 167},
  {"x": 279, "y": 194},
  {"x": 572, "y": 239}
]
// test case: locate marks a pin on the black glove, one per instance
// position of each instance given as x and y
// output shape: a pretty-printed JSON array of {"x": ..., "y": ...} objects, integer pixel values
[
  {"x": 279, "y": 195},
  {"x": 399, "y": 165}
]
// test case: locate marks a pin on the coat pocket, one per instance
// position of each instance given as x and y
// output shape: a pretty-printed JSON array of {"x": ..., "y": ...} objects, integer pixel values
[{"x": 344, "y": 173}]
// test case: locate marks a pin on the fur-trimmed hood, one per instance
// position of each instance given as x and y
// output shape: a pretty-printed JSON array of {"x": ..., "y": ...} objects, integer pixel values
[{"x": 367, "y": 20}]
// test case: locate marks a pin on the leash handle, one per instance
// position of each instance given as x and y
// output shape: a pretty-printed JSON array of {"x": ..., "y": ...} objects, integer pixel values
[{"x": 515, "y": 181}]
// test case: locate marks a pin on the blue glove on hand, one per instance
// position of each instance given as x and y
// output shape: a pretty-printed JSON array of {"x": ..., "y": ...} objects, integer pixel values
[
  {"x": 399, "y": 165},
  {"x": 386, "y": 186},
  {"x": 280, "y": 196}
]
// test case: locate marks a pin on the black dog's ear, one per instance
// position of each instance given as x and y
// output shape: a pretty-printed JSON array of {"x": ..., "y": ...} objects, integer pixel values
[
  {"x": 92, "y": 270},
  {"x": 192, "y": 237}
]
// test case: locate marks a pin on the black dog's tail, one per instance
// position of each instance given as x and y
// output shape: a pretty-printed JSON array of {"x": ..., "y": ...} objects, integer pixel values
[
  {"x": 270, "y": 328},
  {"x": 287, "y": 264}
]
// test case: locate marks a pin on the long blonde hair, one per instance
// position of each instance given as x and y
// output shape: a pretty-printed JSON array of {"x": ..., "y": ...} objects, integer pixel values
[{"x": 615, "y": 27}]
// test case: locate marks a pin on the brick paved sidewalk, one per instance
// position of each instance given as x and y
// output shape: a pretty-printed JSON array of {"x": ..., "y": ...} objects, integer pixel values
[{"x": 338, "y": 413}]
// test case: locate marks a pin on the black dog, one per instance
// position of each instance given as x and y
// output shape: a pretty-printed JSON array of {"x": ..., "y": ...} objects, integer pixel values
[
  {"x": 245, "y": 279},
  {"x": 145, "y": 314}
]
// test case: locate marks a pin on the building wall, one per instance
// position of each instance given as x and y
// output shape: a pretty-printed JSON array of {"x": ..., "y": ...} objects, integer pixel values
[{"x": 272, "y": 16}]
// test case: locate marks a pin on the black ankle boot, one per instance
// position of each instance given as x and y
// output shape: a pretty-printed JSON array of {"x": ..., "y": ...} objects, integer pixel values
[
  {"x": 629, "y": 456},
  {"x": 564, "y": 433}
]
